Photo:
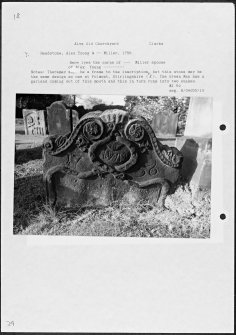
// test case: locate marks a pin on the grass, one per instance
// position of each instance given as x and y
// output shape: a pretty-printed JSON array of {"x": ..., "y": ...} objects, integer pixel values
[
  {"x": 29, "y": 154},
  {"x": 185, "y": 216}
]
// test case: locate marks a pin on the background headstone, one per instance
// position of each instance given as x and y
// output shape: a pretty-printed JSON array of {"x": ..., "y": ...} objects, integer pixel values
[
  {"x": 34, "y": 122},
  {"x": 164, "y": 124},
  {"x": 75, "y": 117},
  {"x": 59, "y": 119},
  {"x": 196, "y": 167},
  {"x": 199, "y": 119}
]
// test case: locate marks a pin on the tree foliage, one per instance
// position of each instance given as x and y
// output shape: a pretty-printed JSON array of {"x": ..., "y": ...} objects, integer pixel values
[
  {"x": 148, "y": 106},
  {"x": 36, "y": 101},
  {"x": 88, "y": 101}
]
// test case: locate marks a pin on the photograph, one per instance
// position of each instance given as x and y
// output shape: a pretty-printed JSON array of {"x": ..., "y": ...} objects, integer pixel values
[{"x": 113, "y": 166}]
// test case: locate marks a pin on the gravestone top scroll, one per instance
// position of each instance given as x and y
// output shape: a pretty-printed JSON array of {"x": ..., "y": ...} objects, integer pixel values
[
  {"x": 164, "y": 124},
  {"x": 59, "y": 119},
  {"x": 34, "y": 122},
  {"x": 108, "y": 156}
]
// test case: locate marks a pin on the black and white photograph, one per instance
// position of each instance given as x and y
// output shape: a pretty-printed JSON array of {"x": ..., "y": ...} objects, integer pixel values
[{"x": 113, "y": 165}]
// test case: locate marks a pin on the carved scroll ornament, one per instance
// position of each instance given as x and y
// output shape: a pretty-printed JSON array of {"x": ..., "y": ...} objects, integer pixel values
[{"x": 111, "y": 143}]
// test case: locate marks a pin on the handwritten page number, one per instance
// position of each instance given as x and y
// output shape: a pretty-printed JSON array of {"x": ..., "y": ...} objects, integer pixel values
[{"x": 16, "y": 16}]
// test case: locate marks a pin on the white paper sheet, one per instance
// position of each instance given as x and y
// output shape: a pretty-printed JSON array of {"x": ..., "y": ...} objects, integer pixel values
[{"x": 96, "y": 284}]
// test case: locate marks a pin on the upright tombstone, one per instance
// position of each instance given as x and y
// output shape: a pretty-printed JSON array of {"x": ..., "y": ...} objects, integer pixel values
[
  {"x": 164, "y": 124},
  {"x": 196, "y": 167},
  {"x": 196, "y": 144},
  {"x": 75, "y": 118},
  {"x": 34, "y": 122},
  {"x": 59, "y": 119},
  {"x": 109, "y": 156},
  {"x": 199, "y": 117}
]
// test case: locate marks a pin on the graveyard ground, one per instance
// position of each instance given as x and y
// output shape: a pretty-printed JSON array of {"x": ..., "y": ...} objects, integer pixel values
[{"x": 185, "y": 216}]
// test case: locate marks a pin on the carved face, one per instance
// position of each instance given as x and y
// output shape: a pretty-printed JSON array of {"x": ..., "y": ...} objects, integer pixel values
[
  {"x": 177, "y": 158},
  {"x": 114, "y": 153}
]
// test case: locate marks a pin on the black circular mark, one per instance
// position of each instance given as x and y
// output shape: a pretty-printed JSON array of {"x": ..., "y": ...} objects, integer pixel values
[
  {"x": 222, "y": 216},
  {"x": 222, "y": 127}
]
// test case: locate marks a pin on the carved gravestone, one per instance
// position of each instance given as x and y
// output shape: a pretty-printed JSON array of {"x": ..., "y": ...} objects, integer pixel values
[
  {"x": 165, "y": 124},
  {"x": 34, "y": 122},
  {"x": 109, "y": 156},
  {"x": 59, "y": 119}
]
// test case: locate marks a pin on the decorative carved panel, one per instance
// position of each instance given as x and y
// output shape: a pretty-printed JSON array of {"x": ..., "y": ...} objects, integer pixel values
[{"x": 110, "y": 152}]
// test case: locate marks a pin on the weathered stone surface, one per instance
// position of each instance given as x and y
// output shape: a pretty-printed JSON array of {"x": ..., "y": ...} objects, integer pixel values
[
  {"x": 109, "y": 156},
  {"x": 165, "y": 123},
  {"x": 34, "y": 122},
  {"x": 59, "y": 119},
  {"x": 75, "y": 118},
  {"x": 199, "y": 118}
]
